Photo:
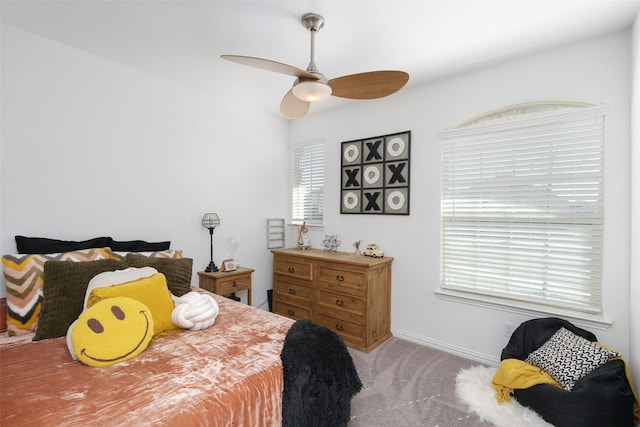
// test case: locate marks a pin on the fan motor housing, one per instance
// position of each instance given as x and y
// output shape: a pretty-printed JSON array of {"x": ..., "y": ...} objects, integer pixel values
[{"x": 313, "y": 22}]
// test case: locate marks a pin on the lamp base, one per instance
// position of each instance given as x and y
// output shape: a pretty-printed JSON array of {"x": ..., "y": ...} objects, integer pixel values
[{"x": 211, "y": 268}]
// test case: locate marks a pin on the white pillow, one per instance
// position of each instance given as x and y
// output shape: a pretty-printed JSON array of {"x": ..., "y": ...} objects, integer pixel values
[{"x": 568, "y": 357}]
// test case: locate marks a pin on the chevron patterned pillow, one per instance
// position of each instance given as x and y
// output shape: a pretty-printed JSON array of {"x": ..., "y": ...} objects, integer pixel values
[
  {"x": 168, "y": 253},
  {"x": 24, "y": 277},
  {"x": 568, "y": 357}
]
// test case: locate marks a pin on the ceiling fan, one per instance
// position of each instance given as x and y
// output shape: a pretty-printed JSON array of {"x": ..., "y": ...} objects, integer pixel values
[{"x": 311, "y": 85}]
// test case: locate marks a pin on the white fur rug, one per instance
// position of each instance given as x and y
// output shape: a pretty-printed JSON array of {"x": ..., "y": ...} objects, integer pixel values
[{"x": 473, "y": 387}]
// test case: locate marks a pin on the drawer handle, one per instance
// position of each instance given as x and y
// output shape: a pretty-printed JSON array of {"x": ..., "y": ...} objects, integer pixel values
[
  {"x": 339, "y": 327},
  {"x": 340, "y": 278},
  {"x": 292, "y": 291},
  {"x": 235, "y": 285},
  {"x": 291, "y": 269},
  {"x": 291, "y": 312},
  {"x": 339, "y": 302}
]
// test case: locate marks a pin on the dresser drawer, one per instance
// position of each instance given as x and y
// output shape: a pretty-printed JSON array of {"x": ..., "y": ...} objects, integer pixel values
[
  {"x": 352, "y": 282},
  {"x": 291, "y": 289},
  {"x": 292, "y": 311},
  {"x": 233, "y": 284},
  {"x": 293, "y": 268},
  {"x": 350, "y": 332},
  {"x": 335, "y": 304},
  {"x": 343, "y": 277}
]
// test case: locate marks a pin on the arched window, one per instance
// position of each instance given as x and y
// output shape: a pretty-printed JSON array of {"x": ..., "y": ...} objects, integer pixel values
[{"x": 522, "y": 201}]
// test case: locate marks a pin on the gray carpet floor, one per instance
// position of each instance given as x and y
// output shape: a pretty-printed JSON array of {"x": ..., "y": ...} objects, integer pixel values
[{"x": 407, "y": 384}]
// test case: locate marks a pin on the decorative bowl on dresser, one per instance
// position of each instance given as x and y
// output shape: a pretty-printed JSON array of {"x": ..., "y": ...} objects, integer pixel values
[{"x": 348, "y": 294}]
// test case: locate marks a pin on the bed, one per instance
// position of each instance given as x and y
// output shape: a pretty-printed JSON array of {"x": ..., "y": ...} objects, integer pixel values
[
  {"x": 228, "y": 374},
  {"x": 244, "y": 370}
]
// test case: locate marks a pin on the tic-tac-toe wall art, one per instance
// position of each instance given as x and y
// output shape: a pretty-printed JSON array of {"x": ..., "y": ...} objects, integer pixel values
[{"x": 375, "y": 175}]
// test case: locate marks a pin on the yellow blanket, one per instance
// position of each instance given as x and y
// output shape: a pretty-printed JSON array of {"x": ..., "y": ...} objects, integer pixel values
[{"x": 516, "y": 374}]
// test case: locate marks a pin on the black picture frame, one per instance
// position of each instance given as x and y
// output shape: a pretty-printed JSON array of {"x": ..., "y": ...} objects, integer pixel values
[{"x": 375, "y": 175}]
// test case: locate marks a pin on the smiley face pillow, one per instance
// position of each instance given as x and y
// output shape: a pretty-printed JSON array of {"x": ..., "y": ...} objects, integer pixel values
[{"x": 111, "y": 331}]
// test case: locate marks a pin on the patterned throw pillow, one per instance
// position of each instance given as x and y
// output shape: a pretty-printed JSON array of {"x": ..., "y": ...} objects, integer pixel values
[
  {"x": 568, "y": 357},
  {"x": 169, "y": 253},
  {"x": 24, "y": 277}
]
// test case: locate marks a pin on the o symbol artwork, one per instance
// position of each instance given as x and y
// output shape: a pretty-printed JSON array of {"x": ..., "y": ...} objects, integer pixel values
[
  {"x": 395, "y": 147},
  {"x": 371, "y": 174},
  {"x": 350, "y": 200},
  {"x": 395, "y": 200},
  {"x": 351, "y": 153}
]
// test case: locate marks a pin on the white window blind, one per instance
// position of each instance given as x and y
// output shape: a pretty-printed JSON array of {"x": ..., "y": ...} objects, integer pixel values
[
  {"x": 308, "y": 184},
  {"x": 522, "y": 209}
]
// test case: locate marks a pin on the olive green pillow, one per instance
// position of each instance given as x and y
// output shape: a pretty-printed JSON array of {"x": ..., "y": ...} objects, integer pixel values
[
  {"x": 177, "y": 271},
  {"x": 65, "y": 285}
]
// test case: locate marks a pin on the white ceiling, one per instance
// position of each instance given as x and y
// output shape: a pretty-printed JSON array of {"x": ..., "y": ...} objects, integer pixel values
[{"x": 182, "y": 40}]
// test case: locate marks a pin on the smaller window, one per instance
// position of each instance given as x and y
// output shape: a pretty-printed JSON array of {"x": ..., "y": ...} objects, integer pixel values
[{"x": 307, "y": 183}]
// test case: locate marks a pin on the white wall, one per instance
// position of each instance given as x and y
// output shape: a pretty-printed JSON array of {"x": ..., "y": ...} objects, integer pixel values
[
  {"x": 595, "y": 71},
  {"x": 91, "y": 147},
  {"x": 634, "y": 300}
]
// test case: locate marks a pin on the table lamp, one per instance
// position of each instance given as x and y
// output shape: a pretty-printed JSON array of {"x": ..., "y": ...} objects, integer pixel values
[{"x": 211, "y": 221}]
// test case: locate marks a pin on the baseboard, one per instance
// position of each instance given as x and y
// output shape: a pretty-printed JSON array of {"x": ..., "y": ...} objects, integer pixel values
[{"x": 443, "y": 346}]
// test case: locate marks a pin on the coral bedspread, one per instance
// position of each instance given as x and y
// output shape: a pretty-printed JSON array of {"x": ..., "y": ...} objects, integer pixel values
[{"x": 229, "y": 374}]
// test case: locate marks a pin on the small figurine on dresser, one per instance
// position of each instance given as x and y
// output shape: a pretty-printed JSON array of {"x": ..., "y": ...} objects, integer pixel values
[
  {"x": 373, "y": 250},
  {"x": 304, "y": 241}
]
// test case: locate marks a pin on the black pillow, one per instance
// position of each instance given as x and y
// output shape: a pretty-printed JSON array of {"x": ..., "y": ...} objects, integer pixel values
[
  {"x": 138, "y": 246},
  {"x": 65, "y": 285},
  {"x": 42, "y": 245}
]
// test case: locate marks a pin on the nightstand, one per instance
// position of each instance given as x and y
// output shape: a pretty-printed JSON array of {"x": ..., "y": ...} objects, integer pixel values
[{"x": 227, "y": 282}]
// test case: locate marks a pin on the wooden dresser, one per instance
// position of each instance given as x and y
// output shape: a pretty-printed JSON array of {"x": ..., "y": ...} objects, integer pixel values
[{"x": 346, "y": 293}]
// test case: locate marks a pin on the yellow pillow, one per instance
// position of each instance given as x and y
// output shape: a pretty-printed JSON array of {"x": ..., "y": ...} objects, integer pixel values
[
  {"x": 112, "y": 331},
  {"x": 152, "y": 291}
]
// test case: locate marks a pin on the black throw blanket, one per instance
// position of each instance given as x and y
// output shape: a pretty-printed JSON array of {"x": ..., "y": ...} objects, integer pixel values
[{"x": 320, "y": 378}]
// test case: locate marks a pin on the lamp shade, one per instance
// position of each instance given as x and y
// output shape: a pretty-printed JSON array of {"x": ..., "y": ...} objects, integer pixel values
[
  {"x": 210, "y": 220},
  {"x": 311, "y": 90}
]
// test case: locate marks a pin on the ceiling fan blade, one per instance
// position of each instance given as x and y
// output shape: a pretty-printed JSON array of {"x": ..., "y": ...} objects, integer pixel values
[
  {"x": 293, "y": 107},
  {"x": 269, "y": 65},
  {"x": 371, "y": 85}
]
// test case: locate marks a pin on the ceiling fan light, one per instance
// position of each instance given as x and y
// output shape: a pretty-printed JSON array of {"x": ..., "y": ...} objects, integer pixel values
[{"x": 311, "y": 91}]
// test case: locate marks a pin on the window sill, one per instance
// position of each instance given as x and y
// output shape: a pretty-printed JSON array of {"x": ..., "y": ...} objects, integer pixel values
[
  {"x": 310, "y": 226},
  {"x": 584, "y": 320}
]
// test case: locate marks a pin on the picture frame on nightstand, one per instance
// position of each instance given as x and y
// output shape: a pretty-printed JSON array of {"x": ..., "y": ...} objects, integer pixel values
[{"x": 228, "y": 265}]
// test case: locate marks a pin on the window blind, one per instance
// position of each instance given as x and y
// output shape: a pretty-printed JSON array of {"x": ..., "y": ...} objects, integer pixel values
[
  {"x": 308, "y": 184},
  {"x": 522, "y": 209}
]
